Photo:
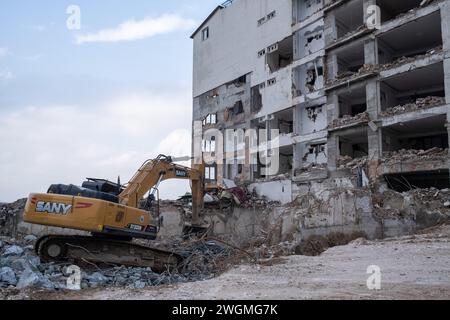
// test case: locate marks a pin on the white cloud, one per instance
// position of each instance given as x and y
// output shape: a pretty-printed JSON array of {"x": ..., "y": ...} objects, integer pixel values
[
  {"x": 65, "y": 144},
  {"x": 137, "y": 30},
  {"x": 6, "y": 75},
  {"x": 4, "y": 52},
  {"x": 33, "y": 58},
  {"x": 39, "y": 28}
]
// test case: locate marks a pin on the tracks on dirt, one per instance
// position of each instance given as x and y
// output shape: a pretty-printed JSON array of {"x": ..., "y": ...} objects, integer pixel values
[{"x": 92, "y": 250}]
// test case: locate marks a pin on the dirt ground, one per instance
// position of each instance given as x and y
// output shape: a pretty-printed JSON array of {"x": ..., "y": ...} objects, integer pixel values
[{"x": 413, "y": 267}]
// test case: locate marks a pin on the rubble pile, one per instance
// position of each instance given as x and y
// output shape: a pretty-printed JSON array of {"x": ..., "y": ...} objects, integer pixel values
[
  {"x": 20, "y": 268},
  {"x": 420, "y": 104},
  {"x": 405, "y": 155},
  {"x": 347, "y": 120},
  {"x": 429, "y": 203},
  {"x": 347, "y": 162},
  {"x": 8, "y": 216},
  {"x": 347, "y": 76},
  {"x": 405, "y": 60},
  {"x": 310, "y": 167},
  {"x": 351, "y": 33}
]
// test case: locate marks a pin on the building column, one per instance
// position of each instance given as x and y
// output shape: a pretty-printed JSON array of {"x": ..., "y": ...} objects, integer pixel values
[
  {"x": 332, "y": 107},
  {"x": 330, "y": 28},
  {"x": 374, "y": 132},
  {"x": 333, "y": 151},
  {"x": 445, "y": 21}
]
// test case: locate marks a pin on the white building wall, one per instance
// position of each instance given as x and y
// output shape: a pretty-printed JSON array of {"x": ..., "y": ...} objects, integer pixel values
[{"x": 235, "y": 40}]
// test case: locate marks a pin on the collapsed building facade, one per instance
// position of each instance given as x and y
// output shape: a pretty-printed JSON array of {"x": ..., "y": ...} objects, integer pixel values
[{"x": 358, "y": 89}]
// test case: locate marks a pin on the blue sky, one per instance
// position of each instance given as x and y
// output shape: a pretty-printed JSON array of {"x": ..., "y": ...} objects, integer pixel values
[{"x": 96, "y": 101}]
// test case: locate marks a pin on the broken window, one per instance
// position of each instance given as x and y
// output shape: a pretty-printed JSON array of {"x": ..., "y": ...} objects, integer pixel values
[
  {"x": 210, "y": 173},
  {"x": 281, "y": 54},
  {"x": 309, "y": 40},
  {"x": 210, "y": 119},
  {"x": 312, "y": 119},
  {"x": 261, "y": 21},
  {"x": 316, "y": 154},
  {"x": 256, "y": 99},
  {"x": 205, "y": 34},
  {"x": 209, "y": 146},
  {"x": 271, "y": 82},
  {"x": 271, "y": 15},
  {"x": 308, "y": 78},
  {"x": 238, "y": 108},
  {"x": 262, "y": 53},
  {"x": 286, "y": 159},
  {"x": 241, "y": 80},
  {"x": 311, "y": 78}
]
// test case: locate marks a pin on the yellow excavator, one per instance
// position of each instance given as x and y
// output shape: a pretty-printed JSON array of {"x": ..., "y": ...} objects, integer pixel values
[{"x": 114, "y": 215}]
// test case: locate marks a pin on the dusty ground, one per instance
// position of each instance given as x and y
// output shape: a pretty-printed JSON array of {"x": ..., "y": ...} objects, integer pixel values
[{"x": 414, "y": 267}]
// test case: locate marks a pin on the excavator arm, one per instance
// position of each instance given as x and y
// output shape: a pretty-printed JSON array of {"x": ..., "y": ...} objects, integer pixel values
[{"x": 153, "y": 172}]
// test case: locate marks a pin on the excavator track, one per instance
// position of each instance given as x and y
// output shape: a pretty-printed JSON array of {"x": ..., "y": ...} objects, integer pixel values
[{"x": 91, "y": 250}]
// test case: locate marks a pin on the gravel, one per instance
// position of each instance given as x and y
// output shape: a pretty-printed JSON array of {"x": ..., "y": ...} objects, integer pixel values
[{"x": 21, "y": 268}]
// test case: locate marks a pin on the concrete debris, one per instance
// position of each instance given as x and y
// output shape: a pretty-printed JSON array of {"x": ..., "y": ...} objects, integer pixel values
[
  {"x": 8, "y": 276},
  {"x": 429, "y": 203},
  {"x": 13, "y": 251},
  {"x": 30, "y": 238},
  {"x": 348, "y": 120},
  {"x": 348, "y": 76},
  {"x": 21, "y": 268},
  {"x": 420, "y": 104},
  {"x": 404, "y": 60},
  {"x": 408, "y": 155},
  {"x": 310, "y": 167},
  {"x": 371, "y": 68},
  {"x": 9, "y": 214},
  {"x": 351, "y": 33},
  {"x": 346, "y": 162}
]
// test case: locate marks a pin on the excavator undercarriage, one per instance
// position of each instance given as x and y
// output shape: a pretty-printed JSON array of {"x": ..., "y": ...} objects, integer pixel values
[{"x": 105, "y": 252}]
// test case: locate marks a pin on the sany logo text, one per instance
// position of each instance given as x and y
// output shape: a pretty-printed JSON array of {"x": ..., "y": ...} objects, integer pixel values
[{"x": 51, "y": 207}]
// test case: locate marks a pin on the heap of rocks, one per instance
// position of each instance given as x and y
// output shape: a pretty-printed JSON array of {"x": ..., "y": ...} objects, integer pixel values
[
  {"x": 347, "y": 120},
  {"x": 347, "y": 162},
  {"x": 405, "y": 155},
  {"x": 420, "y": 104},
  {"x": 9, "y": 213},
  {"x": 20, "y": 268}
]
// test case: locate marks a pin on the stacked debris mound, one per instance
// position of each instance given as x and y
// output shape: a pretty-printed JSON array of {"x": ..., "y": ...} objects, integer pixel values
[
  {"x": 420, "y": 104},
  {"x": 434, "y": 154},
  {"x": 20, "y": 268},
  {"x": 311, "y": 167},
  {"x": 9, "y": 214},
  {"x": 348, "y": 76},
  {"x": 427, "y": 206},
  {"x": 347, "y": 120},
  {"x": 347, "y": 162},
  {"x": 405, "y": 60}
]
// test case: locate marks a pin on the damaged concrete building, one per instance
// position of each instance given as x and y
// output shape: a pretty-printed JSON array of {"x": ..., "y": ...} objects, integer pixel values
[{"x": 358, "y": 89}]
